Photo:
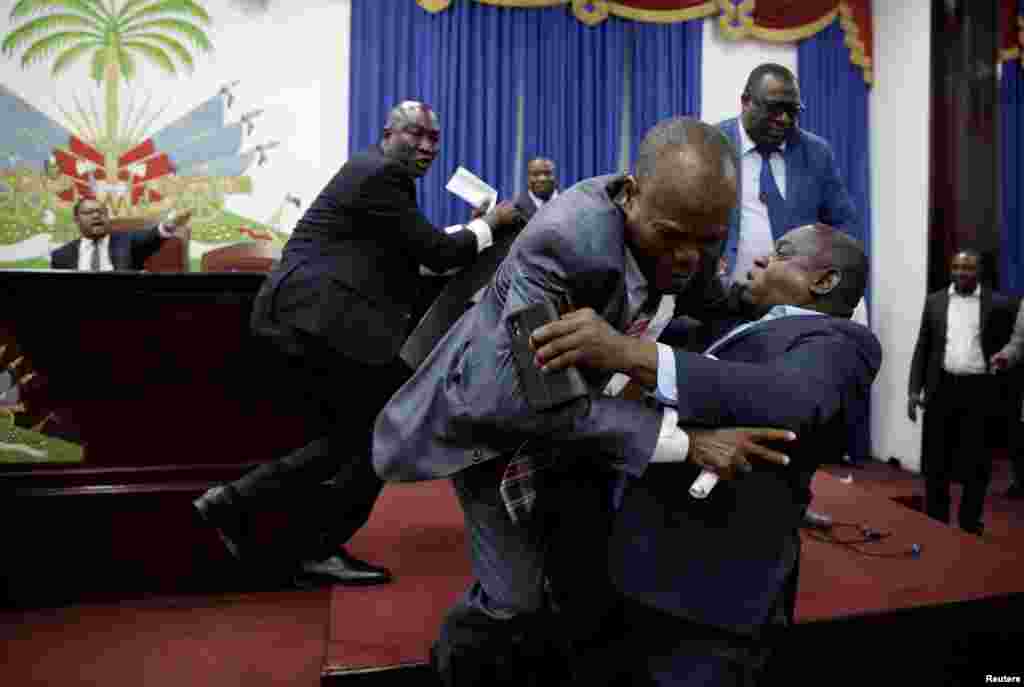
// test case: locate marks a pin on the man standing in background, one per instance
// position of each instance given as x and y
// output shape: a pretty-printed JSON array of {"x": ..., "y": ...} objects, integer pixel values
[
  {"x": 541, "y": 186},
  {"x": 788, "y": 176},
  {"x": 962, "y": 328}
]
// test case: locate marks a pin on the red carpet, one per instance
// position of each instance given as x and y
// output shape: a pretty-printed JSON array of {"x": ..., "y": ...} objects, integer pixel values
[
  {"x": 289, "y": 638},
  {"x": 255, "y": 640},
  {"x": 417, "y": 531}
]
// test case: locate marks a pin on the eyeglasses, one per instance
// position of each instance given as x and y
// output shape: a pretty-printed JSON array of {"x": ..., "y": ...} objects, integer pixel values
[{"x": 778, "y": 107}]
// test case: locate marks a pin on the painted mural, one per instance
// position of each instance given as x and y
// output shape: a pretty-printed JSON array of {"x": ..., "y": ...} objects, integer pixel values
[
  {"x": 105, "y": 146},
  {"x": 124, "y": 101}
]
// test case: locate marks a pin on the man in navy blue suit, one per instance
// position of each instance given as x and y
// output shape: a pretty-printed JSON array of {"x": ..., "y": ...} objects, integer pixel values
[
  {"x": 709, "y": 581},
  {"x": 788, "y": 176}
]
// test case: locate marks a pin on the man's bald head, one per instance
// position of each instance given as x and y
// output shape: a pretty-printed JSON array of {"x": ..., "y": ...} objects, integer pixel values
[
  {"x": 678, "y": 202},
  {"x": 689, "y": 166}
]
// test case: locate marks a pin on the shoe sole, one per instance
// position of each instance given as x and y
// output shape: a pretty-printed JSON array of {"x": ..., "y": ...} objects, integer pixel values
[
  {"x": 230, "y": 545},
  {"x": 325, "y": 581}
]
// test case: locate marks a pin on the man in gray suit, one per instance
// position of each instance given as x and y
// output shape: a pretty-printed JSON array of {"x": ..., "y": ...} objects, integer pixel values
[{"x": 608, "y": 243}]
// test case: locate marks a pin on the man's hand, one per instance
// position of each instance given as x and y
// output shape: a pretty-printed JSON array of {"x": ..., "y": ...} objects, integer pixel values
[
  {"x": 999, "y": 361},
  {"x": 504, "y": 215},
  {"x": 728, "y": 451},
  {"x": 583, "y": 338},
  {"x": 916, "y": 401}
]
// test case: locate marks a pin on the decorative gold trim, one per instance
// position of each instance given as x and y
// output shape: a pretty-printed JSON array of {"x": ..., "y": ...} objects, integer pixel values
[
  {"x": 736, "y": 21},
  {"x": 434, "y": 5},
  {"x": 523, "y": 3},
  {"x": 854, "y": 43},
  {"x": 705, "y": 9},
  {"x": 597, "y": 13}
]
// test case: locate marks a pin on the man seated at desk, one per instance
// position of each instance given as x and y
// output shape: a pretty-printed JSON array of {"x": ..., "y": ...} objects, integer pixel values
[{"x": 100, "y": 250}]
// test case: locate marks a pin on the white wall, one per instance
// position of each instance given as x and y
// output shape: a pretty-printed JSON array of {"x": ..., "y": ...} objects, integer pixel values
[{"x": 899, "y": 112}]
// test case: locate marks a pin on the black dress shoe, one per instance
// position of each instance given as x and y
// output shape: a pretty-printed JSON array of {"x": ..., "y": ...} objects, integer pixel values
[
  {"x": 340, "y": 568},
  {"x": 977, "y": 529},
  {"x": 219, "y": 509}
]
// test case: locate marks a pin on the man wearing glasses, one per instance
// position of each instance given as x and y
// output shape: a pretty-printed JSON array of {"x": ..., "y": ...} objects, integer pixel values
[
  {"x": 788, "y": 176},
  {"x": 101, "y": 250}
]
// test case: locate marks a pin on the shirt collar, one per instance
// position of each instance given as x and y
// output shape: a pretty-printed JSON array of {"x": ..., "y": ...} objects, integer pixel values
[
  {"x": 538, "y": 201},
  {"x": 746, "y": 143},
  {"x": 778, "y": 311},
  {"x": 636, "y": 282},
  {"x": 972, "y": 294}
]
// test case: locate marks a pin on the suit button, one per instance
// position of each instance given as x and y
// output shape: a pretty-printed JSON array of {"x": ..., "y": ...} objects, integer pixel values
[{"x": 478, "y": 455}]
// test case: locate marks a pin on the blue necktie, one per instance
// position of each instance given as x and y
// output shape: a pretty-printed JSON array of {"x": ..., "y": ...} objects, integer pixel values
[{"x": 770, "y": 194}]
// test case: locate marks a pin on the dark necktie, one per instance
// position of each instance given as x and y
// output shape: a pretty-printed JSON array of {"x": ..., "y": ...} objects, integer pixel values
[
  {"x": 770, "y": 194},
  {"x": 94, "y": 265}
]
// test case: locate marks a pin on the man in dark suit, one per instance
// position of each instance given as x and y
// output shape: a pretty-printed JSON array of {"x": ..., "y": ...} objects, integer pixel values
[
  {"x": 340, "y": 304},
  {"x": 541, "y": 186},
  {"x": 788, "y": 176},
  {"x": 99, "y": 250},
  {"x": 962, "y": 329},
  {"x": 621, "y": 245},
  {"x": 709, "y": 579}
]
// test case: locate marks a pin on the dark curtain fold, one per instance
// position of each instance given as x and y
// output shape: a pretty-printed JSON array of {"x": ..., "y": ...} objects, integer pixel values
[
  {"x": 465, "y": 63},
  {"x": 573, "y": 91},
  {"x": 1011, "y": 90},
  {"x": 836, "y": 96},
  {"x": 666, "y": 75}
]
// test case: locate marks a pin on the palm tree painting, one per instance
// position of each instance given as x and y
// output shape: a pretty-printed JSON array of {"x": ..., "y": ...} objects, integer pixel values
[{"x": 113, "y": 35}]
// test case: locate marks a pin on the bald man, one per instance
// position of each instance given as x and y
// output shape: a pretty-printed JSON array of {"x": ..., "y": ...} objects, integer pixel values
[
  {"x": 620, "y": 245},
  {"x": 340, "y": 306}
]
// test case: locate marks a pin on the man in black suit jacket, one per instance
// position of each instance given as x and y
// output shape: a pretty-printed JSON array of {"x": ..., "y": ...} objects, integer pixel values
[
  {"x": 962, "y": 328},
  {"x": 340, "y": 304},
  {"x": 541, "y": 186},
  {"x": 99, "y": 250},
  {"x": 709, "y": 579}
]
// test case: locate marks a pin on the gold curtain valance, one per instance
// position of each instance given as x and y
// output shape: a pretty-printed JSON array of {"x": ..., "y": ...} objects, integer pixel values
[{"x": 779, "y": 21}]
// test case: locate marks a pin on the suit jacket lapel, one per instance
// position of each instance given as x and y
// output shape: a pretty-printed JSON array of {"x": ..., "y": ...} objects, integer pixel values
[
  {"x": 943, "y": 317},
  {"x": 986, "y": 309},
  {"x": 75, "y": 252}
]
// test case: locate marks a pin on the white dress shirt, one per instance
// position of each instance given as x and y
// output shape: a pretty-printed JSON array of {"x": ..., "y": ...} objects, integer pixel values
[
  {"x": 86, "y": 247},
  {"x": 755, "y": 236},
  {"x": 963, "y": 355}
]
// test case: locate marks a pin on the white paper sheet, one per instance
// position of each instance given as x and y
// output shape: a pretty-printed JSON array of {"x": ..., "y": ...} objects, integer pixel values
[{"x": 472, "y": 189}]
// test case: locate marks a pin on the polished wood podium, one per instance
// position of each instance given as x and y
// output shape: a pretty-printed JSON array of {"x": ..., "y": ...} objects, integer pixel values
[{"x": 169, "y": 394}]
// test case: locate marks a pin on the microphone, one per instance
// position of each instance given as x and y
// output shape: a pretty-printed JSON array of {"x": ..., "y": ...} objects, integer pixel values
[
  {"x": 702, "y": 486},
  {"x": 763, "y": 197}
]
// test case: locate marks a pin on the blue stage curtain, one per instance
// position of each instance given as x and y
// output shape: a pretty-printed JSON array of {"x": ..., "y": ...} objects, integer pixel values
[
  {"x": 573, "y": 92},
  {"x": 836, "y": 96},
  {"x": 666, "y": 75},
  {"x": 1012, "y": 105},
  {"x": 465, "y": 63}
]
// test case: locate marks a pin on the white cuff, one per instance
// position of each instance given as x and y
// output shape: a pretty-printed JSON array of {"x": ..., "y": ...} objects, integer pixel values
[
  {"x": 667, "y": 385},
  {"x": 673, "y": 443},
  {"x": 484, "y": 238}
]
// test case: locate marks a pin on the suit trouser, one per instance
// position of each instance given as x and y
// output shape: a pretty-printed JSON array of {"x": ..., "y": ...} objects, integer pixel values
[
  {"x": 517, "y": 624},
  {"x": 342, "y": 398},
  {"x": 956, "y": 427}
]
